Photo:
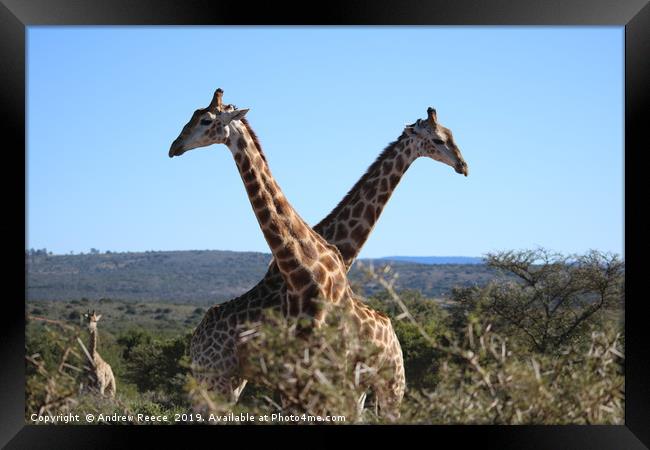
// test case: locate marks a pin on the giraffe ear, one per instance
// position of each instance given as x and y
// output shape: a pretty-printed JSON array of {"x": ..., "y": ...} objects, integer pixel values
[
  {"x": 413, "y": 126},
  {"x": 237, "y": 114},
  {"x": 99, "y": 316}
]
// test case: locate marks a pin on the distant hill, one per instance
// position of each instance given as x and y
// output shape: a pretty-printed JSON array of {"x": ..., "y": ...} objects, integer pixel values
[
  {"x": 435, "y": 259},
  {"x": 204, "y": 276}
]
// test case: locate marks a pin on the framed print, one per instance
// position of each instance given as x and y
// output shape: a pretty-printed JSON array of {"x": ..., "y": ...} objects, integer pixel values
[{"x": 487, "y": 305}]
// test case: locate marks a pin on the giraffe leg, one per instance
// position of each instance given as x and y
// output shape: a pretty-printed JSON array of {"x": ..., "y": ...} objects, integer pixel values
[
  {"x": 389, "y": 390},
  {"x": 236, "y": 392},
  {"x": 361, "y": 403},
  {"x": 388, "y": 399},
  {"x": 111, "y": 385},
  {"x": 220, "y": 385},
  {"x": 230, "y": 388},
  {"x": 219, "y": 374}
]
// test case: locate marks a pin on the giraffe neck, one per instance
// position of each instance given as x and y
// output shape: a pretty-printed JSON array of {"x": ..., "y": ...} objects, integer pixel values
[
  {"x": 309, "y": 265},
  {"x": 92, "y": 343},
  {"x": 351, "y": 222}
]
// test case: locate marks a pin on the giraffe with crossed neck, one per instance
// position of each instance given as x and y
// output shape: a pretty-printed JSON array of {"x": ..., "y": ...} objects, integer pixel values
[
  {"x": 309, "y": 265},
  {"x": 215, "y": 345}
]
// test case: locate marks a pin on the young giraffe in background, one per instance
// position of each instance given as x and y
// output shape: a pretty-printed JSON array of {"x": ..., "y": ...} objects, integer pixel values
[
  {"x": 102, "y": 370},
  {"x": 287, "y": 235}
]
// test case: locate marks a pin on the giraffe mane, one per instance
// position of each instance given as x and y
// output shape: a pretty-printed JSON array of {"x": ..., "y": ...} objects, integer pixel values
[
  {"x": 375, "y": 165},
  {"x": 256, "y": 141}
]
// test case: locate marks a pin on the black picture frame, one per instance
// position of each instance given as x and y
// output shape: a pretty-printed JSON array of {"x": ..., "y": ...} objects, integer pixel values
[{"x": 634, "y": 15}]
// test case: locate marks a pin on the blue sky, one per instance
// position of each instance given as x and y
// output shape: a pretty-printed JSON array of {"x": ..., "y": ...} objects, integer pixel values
[{"x": 536, "y": 111}]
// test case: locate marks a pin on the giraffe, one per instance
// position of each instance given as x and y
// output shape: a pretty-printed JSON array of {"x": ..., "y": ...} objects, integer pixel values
[
  {"x": 102, "y": 370},
  {"x": 212, "y": 347},
  {"x": 351, "y": 222},
  {"x": 310, "y": 267},
  {"x": 423, "y": 138}
]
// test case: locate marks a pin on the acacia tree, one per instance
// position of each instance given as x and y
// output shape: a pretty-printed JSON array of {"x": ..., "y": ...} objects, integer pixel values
[{"x": 547, "y": 297}]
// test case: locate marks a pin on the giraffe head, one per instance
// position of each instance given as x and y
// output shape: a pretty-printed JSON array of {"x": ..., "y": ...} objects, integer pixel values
[
  {"x": 207, "y": 126},
  {"x": 92, "y": 319},
  {"x": 436, "y": 141}
]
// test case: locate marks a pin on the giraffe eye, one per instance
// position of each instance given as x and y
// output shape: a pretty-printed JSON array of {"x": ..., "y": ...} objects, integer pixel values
[
  {"x": 439, "y": 141},
  {"x": 206, "y": 121}
]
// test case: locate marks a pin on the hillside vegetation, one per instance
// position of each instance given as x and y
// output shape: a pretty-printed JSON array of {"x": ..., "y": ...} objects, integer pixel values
[{"x": 201, "y": 276}]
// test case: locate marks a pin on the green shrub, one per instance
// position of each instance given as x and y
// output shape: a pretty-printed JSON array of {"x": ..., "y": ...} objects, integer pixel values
[
  {"x": 156, "y": 364},
  {"x": 545, "y": 300}
]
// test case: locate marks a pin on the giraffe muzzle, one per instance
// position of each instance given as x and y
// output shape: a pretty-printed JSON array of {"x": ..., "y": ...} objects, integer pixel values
[
  {"x": 462, "y": 168},
  {"x": 176, "y": 150}
]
